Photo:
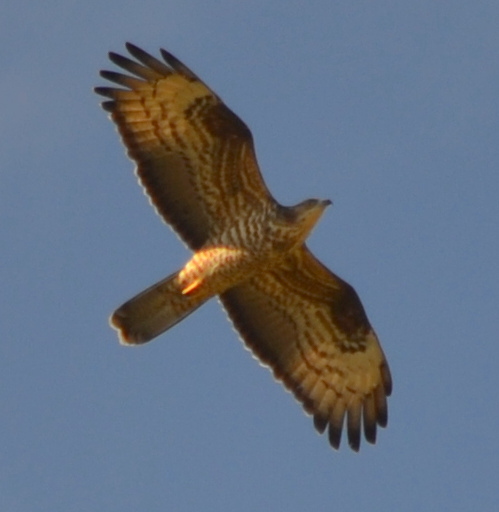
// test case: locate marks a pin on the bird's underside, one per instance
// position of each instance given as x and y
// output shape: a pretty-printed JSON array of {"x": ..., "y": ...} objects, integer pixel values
[{"x": 196, "y": 161}]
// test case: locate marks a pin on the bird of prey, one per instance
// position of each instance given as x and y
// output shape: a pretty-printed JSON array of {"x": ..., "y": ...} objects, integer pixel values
[{"x": 196, "y": 161}]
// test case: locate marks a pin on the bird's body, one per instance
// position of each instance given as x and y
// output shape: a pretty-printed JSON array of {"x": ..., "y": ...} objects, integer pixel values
[{"x": 196, "y": 160}]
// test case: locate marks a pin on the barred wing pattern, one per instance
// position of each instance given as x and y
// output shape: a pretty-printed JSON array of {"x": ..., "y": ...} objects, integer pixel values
[
  {"x": 310, "y": 328},
  {"x": 195, "y": 157},
  {"x": 196, "y": 161}
]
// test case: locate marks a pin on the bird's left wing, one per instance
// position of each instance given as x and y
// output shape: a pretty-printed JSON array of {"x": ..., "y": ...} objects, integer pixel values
[
  {"x": 310, "y": 328},
  {"x": 195, "y": 157}
]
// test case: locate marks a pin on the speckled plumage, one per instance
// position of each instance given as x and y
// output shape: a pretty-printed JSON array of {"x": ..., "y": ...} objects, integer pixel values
[{"x": 196, "y": 161}]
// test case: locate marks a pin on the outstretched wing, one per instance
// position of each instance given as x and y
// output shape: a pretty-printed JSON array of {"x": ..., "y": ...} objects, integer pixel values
[
  {"x": 310, "y": 328},
  {"x": 195, "y": 157}
]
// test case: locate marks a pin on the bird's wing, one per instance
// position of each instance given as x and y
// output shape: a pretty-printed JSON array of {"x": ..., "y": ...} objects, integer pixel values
[
  {"x": 195, "y": 157},
  {"x": 310, "y": 328}
]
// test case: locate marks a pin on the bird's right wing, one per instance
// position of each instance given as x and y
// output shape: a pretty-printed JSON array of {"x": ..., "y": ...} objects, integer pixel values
[{"x": 310, "y": 328}]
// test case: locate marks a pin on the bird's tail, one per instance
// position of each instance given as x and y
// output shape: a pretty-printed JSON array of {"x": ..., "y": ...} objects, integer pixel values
[{"x": 153, "y": 311}]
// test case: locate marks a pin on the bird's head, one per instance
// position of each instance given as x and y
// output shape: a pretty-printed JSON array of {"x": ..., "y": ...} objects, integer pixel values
[{"x": 301, "y": 218}]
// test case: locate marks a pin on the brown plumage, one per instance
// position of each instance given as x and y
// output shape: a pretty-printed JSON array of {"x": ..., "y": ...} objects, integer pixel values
[{"x": 196, "y": 160}]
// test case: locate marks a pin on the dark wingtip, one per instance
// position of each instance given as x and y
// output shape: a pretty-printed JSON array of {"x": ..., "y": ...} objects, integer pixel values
[
  {"x": 320, "y": 423},
  {"x": 381, "y": 406},
  {"x": 109, "y": 75},
  {"x": 354, "y": 439},
  {"x": 104, "y": 91},
  {"x": 167, "y": 55},
  {"x": 137, "y": 52},
  {"x": 386, "y": 378},
  {"x": 116, "y": 58},
  {"x": 178, "y": 65},
  {"x": 370, "y": 432},
  {"x": 382, "y": 418},
  {"x": 108, "y": 106},
  {"x": 334, "y": 434}
]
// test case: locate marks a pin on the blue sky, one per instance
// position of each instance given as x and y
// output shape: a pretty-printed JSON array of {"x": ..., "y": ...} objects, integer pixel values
[{"x": 388, "y": 108}]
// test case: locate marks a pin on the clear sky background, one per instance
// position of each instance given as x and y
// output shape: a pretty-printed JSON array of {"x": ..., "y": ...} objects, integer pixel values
[{"x": 388, "y": 108}]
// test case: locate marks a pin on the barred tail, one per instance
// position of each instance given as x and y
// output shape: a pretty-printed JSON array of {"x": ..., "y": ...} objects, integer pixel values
[{"x": 153, "y": 311}]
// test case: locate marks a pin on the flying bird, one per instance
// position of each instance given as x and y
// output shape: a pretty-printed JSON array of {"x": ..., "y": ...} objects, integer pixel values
[{"x": 196, "y": 161}]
